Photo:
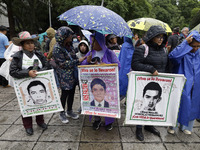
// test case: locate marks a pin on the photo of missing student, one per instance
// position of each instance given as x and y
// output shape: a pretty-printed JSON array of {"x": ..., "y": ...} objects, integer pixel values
[
  {"x": 38, "y": 95},
  {"x": 99, "y": 87},
  {"x": 152, "y": 98}
]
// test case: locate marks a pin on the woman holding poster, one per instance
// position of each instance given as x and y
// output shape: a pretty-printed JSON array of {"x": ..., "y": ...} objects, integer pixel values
[
  {"x": 98, "y": 55},
  {"x": 186, "y": 60},
  {"x": 23, "y": 65},
  {"x": 152, "y": 58},
  {"x": 66, "y": 61}
]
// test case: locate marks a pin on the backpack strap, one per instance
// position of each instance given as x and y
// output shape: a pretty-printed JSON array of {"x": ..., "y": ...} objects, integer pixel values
[{"x": 146, "y": 52}]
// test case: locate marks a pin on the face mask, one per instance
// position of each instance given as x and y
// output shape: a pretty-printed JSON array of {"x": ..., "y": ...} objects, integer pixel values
[{"x": 75, "y": 40}]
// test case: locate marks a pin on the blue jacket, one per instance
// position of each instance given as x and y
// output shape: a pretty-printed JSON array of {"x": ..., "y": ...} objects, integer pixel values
[
  {"x": 125, "y": 58},
  {"x": 188, "y": 63}
]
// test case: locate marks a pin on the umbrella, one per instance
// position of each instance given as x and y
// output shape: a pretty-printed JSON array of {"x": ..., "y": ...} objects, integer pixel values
[
  {"x": 98, "y": 18},
  {"x": 146, "y": 23},
  {"x": 197, "y": 28}
]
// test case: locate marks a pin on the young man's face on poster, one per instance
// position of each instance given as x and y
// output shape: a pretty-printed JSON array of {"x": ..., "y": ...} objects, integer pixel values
[
  {"x": 151, "y": 97},
  {"x": 98, "y": 92},
  {"x": 38, "y": 94}
]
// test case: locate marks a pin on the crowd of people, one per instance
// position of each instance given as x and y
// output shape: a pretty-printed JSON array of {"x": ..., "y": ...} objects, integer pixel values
[{"x": 63, "y": 51}]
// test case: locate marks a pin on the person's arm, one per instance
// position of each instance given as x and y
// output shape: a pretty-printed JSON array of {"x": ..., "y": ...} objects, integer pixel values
[
  {"x": 60, "y": 59},
  {"x": 181, "y": 50},
  {"x": 138, "y": 59}
]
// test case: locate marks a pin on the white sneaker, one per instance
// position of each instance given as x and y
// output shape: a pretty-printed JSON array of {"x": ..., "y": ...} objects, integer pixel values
[
  {"x": 63, "y": 117},
  {"x": 170, "y": 130},
  {"x": 72, "y": 114},
  {"x": 187, "y": 132}
]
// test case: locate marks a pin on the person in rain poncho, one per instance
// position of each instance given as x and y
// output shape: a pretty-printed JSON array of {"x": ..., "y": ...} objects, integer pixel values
[
  {"x": 100, "y": 54},
  {"x": 66, "y": 61},
  {"x": 186, "y": 60},
  {"x": 125, "y": 58}
]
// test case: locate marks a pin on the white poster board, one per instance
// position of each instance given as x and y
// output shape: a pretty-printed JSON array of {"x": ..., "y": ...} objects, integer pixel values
[
  {"x": 153, "y": 100},
  {"x": 99, "y": 88},
  {"x": 39, "y": 95}
]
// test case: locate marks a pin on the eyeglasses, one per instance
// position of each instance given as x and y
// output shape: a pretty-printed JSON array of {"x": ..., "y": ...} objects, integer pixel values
[
  {"x": 195, "y": 46},
  {"x": 160, "y": 37}
]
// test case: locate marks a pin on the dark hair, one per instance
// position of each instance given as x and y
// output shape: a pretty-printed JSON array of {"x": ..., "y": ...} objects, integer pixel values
[
  {"x": 22, "y": 42},
  {"x": 98, "y": 81},
  {"x": 152, "y": 86},
  {"x": 35, "y": 83},
  {"x": 3, "y": 28},
  {"x": 176, "y": 30}
]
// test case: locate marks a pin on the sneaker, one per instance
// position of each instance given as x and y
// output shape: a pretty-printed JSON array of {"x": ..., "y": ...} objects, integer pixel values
[
  {"x": 72, "y": 114},
  {"x": 63, "y": 117},
  {"x": 170, "y": 130},
  {"x": 109, "y": 127},
  {"x": 187, "y": 132},
  {"x": 96, "y": 125}
]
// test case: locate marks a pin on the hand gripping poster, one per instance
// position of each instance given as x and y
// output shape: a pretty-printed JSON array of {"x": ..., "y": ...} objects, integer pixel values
[
  {"x": 39, "y": 95},
  {"x": 153, "y": 100},
  {"x": 99, "y": 88}
]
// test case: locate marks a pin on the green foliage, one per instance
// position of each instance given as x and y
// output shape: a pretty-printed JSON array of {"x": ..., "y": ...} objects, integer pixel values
[{"x": 33, "y": 14}]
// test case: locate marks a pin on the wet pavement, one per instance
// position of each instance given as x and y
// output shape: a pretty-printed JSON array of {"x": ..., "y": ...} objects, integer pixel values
[{"x": 79, "y": 135}]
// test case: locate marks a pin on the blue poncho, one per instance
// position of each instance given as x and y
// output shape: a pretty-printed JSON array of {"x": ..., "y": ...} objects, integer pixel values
[
  {"x": 188, "y": 63},
  {"x": 125, "y": 58}
]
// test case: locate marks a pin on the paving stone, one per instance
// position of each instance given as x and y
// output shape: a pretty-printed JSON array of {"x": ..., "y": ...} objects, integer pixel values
[
  {"x": 6, "y": 97},
  {"x": 47, "y": 118},
  {"x": 9, "y": 117},
  {"x": 197, "y": 131},
  {"x": 18, "y": 133},
  {"x": 7, "y": 145},
  {"x": 143, "y": 146},
  {"x": 100, "y": 146},
  {"x": 3, "y": 128},
  {"x": 12, "y": 105},
  {"x": 128, "y": 135},
  {"x": 56, "y": 121},
  {"x": 196, "y": 124},
  {"x": 56, "y": 146},
  {"x": 61, "y": 133},
  {"x": 166, "y": 137},
  {"x": 101, "y": 135},
  {"x": 187, "y": 138},
  {"x": 182, "y": 146},
  {"x": 7, "y": 90}
]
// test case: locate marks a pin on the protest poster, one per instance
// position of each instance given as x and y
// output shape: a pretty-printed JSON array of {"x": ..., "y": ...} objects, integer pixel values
[
  {"x": 99, "y": 89},
  {"x": 117, "y": 52},
  {"x": 39, "y": 95},
  {"x": 153, "y": 100}
]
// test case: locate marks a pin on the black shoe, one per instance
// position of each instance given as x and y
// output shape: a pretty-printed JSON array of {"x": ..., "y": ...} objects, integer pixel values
[
  {"x": 29, "y": 131},
  {"x": 109, "y": 127},
  {"x": 198, "y": 120},
  {"x": 139, "y": 134},
  {"x": 96, "y": 125},
  {"x": 43, "y": 126},
  {"x": 152, "y": 130}
]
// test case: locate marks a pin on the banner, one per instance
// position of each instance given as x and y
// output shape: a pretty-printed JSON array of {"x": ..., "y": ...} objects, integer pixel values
[
  {"x": 39, "y": 95},
  {"x": 153, "y": 100},
  {"x": 99, "y": 88}
]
